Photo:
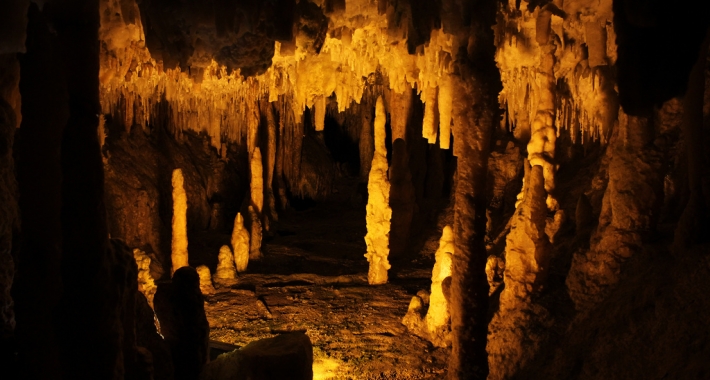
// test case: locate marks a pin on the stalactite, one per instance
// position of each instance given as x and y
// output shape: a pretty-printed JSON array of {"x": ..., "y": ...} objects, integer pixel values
[
  {"x": 319, "y": 113},
  {"x": 430, "y": 127},
  {"x": 240, "y": 244},
  {"x": 399, "y": 108},
  {"x": 226, "y": 273},
  {"x": 445, "y": 102},
  {"x": 257, "y": 181},
  {"x": 379, "y": 212},
  {"x": 179, "y": 236}
]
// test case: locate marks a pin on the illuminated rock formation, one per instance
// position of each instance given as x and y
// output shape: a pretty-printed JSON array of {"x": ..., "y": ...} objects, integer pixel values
[
  {"x": 428, "y": 314},
  {"x": 514, "y": 331},
  {"x": 146, "y": 283},
  {"x": 240, "y": 244},
  {"x": 438, "y": 317},
  {"x": 206, "y": 286},
  {"x": 627, "y": 212},
  {"x": 226, "y": 273},
  {"x": 179, "y": 236},
  {"x": 379, "y": 212},
  {"x": 257, "y": 181}
]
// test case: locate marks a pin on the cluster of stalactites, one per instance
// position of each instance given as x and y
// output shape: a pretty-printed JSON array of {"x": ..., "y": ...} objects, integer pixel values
[
  {"x": 583, "y": 35},
  {"x": 136, "y": 89}
]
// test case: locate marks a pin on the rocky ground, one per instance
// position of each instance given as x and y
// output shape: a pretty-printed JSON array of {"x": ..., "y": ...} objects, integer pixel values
[{"x": 313, "y": 278}]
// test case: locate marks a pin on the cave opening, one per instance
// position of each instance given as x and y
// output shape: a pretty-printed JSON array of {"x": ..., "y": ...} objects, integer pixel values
[{"x": 354, "y": 189}]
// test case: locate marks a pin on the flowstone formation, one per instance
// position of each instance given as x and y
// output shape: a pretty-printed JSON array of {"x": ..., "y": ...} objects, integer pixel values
[
  {"x": 226, "y": 273},
  {"x": 435, "y": 325},
  {"x": 240, "y": 244},
  {"x": 179, "y": 237},
  {"x": 146, "y": 283},
  {"x": 379, "y": 212}
]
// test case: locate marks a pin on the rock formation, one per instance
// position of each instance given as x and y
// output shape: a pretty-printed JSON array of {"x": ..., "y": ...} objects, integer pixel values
[
  {"x": 255, "y": 235},
  {"x": 240, "y": 244},
  {"x": 205, "y": 275},
  {"x": 146, "y": 282},
  {"x": 179, "y": 236},
  {"x": 434, "y": 323},
  {"x": 379, "y": 212},
  {"x": 226, "y": 272}
]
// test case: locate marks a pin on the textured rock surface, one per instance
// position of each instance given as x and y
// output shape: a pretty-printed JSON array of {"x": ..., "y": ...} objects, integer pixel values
[
  {"x": 179, "y": 255},
  {"x": 206, "y": 286},
  {"x": 287, "y": 356},
  {"x": 226, "y": 272},
  {"x": 146, "y": 282},
  {"x": 379, "y": 212},
  {"x": 240, "y": 244}
]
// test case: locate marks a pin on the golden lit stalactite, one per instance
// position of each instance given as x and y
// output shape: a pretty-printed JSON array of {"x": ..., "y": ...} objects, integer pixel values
[
  {"x": 226, "y": 273},
  {"x": 146, "y": 283},
  {"x": 438, "y": 318},
  {"x": 179, "y": 237},
  {"x": 513, "y": 338},
  {"x": 240, "y": 244},
  {"x": 206, "y": 286},
  {"x": 445, "y": 103},
  {"x": 430, "y": 127},
  {"x": 379, "y": 212}
]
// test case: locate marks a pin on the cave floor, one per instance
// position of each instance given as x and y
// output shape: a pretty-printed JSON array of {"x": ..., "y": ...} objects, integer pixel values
[{"x": 313, "y": 278}]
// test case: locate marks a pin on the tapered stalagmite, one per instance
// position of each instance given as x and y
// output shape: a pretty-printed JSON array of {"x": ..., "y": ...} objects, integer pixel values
[
  {"x": 179, "y": 238},
  {"x": 379, "y": 212},
  {"x": 255, "y": 235},
  {"x": 206, "y": 286},
  {"x": 438, "y": 317},
  {"x": 226, "y": 273},
  {"x": 272, "y": 130},
  {"x": 514, "y": 335},
  {"x": 240, "y": 244}
]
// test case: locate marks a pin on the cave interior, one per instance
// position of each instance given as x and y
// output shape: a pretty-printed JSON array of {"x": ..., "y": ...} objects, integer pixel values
[{"x": 354, "y": 189}]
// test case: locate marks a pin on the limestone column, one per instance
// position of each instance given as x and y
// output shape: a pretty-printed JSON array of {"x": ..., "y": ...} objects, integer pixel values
[
  {"x": 379, "y": 212},
  {"x": 179, "y": 236},
  {"x": 240, "y": 244}
]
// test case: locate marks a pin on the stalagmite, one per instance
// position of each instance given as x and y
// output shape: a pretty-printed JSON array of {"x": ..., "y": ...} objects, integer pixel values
[
  {"x": 430, "y": 124},
  {"x": 379, "y": 212},
  {"x": 445, "y": 103},
  {"x": 146, "y": 283},
  {"x": 240, "y": 244},
  {"x": 272, "y": 130},
  {"x": 255, "y": 235},
  {"x": 226, "y": 273},
  {"x": 179, "y": 238},
  {"x": 526, "y": 263},
  {"x": 438, "y": 316},
  {"x": 206, "y": 286}
]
